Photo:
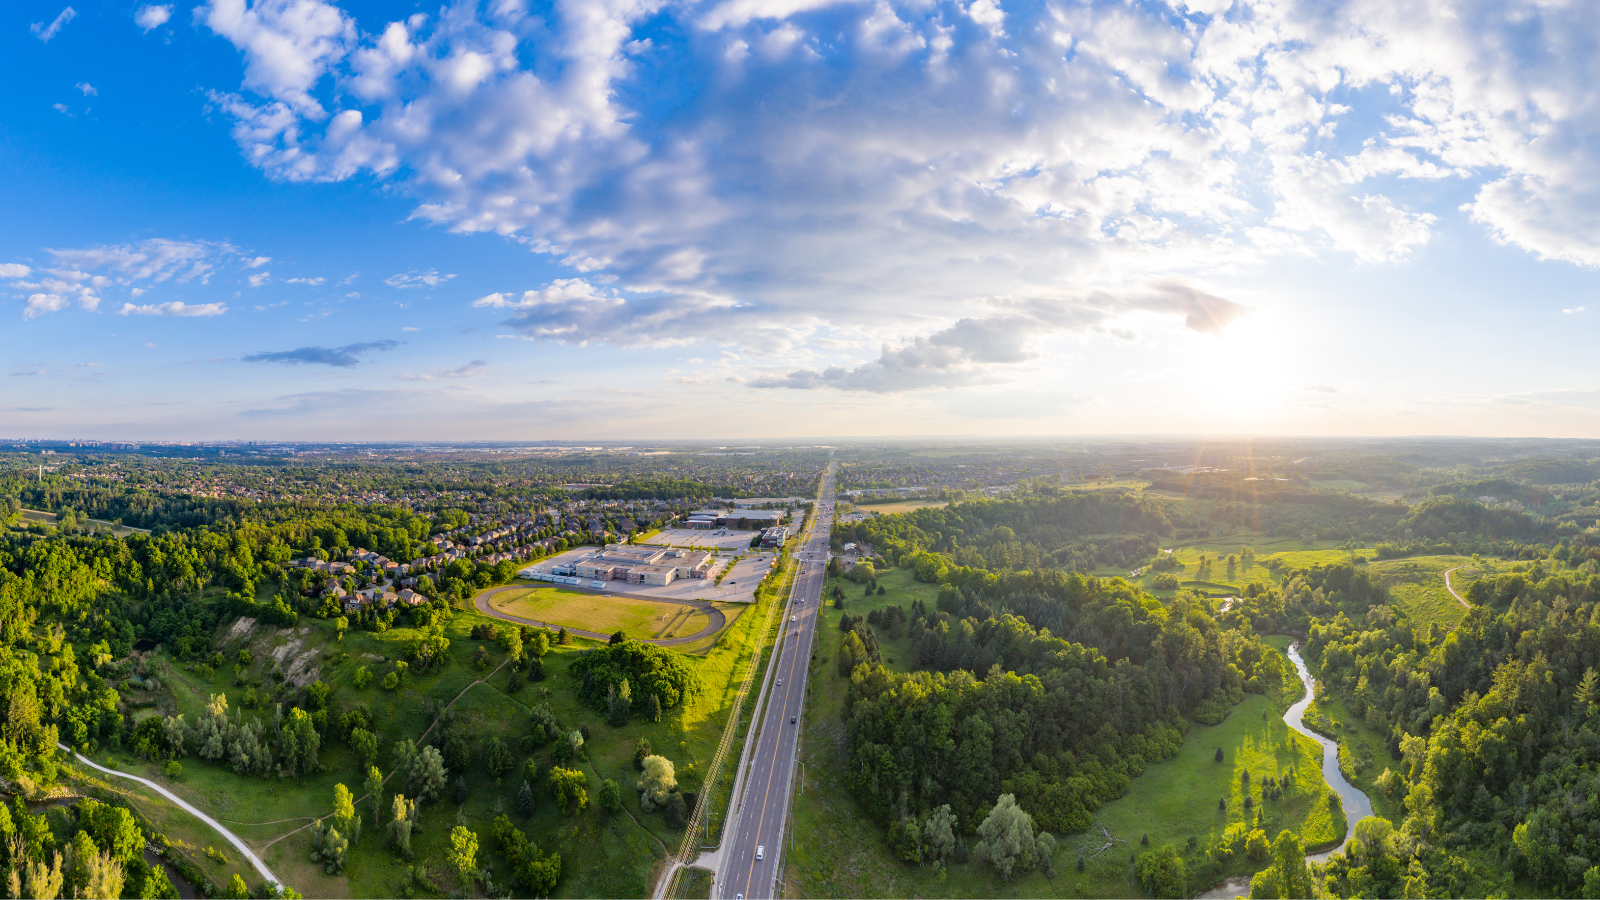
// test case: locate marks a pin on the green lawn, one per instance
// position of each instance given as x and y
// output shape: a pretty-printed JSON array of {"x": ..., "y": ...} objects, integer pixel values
[
  {"x": 598, "y": 613},
  {"x": 837, "y": 852}
]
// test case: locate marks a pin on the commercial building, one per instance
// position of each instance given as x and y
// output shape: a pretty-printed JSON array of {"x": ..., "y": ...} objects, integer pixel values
[
  {"x": 657, "y": 566},
  {"x": 773, "y": 538}
]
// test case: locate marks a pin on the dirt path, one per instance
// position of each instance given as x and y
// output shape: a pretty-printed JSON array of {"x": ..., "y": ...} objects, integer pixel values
[
  {"x": 718, "y": 619},
  {"x": 1460, "y": 599}
]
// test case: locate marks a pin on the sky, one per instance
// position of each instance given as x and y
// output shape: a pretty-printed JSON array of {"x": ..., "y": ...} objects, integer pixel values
[{"x": 634, "y": 219}]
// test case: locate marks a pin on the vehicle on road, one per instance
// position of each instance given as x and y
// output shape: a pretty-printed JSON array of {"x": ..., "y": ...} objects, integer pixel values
[
  {"x": 780, "y": 682},
  {"x": 791, "y": 719},
  {"x": 761, "y": 850}
]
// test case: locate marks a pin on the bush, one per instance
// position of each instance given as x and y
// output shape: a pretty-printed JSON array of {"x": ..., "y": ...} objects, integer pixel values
[{"x": 173, "y": 770}]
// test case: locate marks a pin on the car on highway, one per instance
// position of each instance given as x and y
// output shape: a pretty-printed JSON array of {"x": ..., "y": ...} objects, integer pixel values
[
  {"x": 761, "y": 850},
  {"x": 780, "y": 682},
  {"x": 791, "y": 719}
]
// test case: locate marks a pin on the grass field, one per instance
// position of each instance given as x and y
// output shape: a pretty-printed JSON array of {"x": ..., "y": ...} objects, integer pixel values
[
  {"x": 901, "y": 506},
  {"x": 604, "y": 615},
  {"x": 1417, "y": 584},
  {"x": 604, "y": 855},
  {"x": 48, "y": 518},
  {"x": 836, "y": 851}
]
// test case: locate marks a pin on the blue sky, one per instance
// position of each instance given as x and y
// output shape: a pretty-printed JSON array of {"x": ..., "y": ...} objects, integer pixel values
[{"x": 763, "y": 218}]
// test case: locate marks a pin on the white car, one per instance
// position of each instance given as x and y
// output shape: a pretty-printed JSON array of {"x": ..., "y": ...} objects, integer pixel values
[
  {"x": 761, "y": 851},
  {"x": 780, "y": 682}
]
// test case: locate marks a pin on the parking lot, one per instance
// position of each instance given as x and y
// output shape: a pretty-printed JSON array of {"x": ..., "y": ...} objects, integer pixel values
[
  {"x": 738, "y": 585},
  {"x": 713, "y": 539}
]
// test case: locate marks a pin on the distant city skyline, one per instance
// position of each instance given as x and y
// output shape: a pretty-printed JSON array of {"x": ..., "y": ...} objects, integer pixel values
[{"x": 305, "y": 220}]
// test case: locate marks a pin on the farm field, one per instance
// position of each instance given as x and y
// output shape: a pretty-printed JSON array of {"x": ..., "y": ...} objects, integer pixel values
[{"x": 641, "y": 619}]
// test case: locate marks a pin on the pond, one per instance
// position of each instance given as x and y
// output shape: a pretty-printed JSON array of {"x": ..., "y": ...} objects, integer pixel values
[{"x": 1357, "y": 805}]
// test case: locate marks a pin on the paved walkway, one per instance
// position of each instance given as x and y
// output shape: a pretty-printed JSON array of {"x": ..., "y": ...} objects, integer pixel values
[
  {"x": 718, "y": 620},
  {"x": 232, "y": 838}
]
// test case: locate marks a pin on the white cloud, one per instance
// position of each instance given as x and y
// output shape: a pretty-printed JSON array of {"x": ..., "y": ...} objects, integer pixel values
[
  {"x": 152, "y": 16},
  {"x": 288, "y": 45},
  {"x": 173, "y": 308},
  {"x": 475, "y": 369},
  {"x": 83, "y": 274},
  {"x": 1575, "y": 309},
  {"x": 260, "y": 278},
  {"x": 1077, "y": 151},
  {"x": 428, "y": 279},
  {"x": 256, "y": 262},
  {"x": 87, "y": 88},
  {"x": 39, "y": 304},
  {"x": 309, "y": 281},
  {"x": 45, "y": 32},
  {"x": 63, "y": 109}
]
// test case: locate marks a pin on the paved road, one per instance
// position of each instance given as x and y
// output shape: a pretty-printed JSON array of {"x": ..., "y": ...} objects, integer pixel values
[
  {"x": 230, "y": 836},
  {"x": 718, "y": 620},
  {"x": 759, "y": 816}
]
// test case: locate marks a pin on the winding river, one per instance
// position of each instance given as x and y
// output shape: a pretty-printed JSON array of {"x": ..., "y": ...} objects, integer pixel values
[{"x": 1357, "y": 806}]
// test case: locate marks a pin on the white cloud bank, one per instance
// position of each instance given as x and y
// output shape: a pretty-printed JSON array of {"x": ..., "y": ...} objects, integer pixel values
[
  {"x": 84, "y": 275},
  {"x": 872, "y": 167}
]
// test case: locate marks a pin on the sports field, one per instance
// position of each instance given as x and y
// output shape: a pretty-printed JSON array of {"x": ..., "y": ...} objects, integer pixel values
[{"x": 594, "y": 612}]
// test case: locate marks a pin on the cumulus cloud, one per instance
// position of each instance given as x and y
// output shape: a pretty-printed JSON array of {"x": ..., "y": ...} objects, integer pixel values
[
  {"x": 872, "y": 165},
  {"x": 87, "y": 88},
  {"x": 974, "y": 350},
  {"x": 174, "y": 308},
  {"x": 340, "y": 357},
  {"x": 152, "y": 16},
  {"x": 45, "y": 32},
  {"x": 84, "y": 274},
  {"x": 313, "y": 282},
  {"x": 256, "y": 262},
  {"x": 428, "y": 279}
]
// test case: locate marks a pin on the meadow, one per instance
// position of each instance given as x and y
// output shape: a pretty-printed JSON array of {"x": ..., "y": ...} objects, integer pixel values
[{"x": 598, "y": 613}]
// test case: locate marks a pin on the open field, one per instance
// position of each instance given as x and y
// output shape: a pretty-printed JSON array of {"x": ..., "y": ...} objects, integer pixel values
[
  {"x": 1417, "y": 583},
  {"x": 596, "y": 612},
  {"x": 901, "y": 506},
  {"x": 49, "y": 519},
  {"x": 836, "y": 851}
]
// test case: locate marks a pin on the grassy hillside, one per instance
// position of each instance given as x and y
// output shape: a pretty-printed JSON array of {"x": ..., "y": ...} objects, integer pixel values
[{"x": 604, "y": 855}]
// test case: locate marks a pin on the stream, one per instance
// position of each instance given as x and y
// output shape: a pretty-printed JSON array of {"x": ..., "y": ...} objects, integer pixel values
[{"x": 1356, "y": 804}]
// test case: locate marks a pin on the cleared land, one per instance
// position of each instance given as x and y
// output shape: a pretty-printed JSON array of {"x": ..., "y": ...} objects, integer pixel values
[
  {"x": 49, "y": 518},
  {"x": 1417, "y": 584},
  {"x": 596, "y": 612},
  {"x": 901, "y": 506}
]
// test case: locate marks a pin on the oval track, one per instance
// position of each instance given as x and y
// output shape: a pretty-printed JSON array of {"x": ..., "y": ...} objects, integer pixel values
[{"x": 718, "y": 620}]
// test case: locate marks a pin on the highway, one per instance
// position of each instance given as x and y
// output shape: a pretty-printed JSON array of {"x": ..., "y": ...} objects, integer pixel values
[{"x": 759, "y": 815}]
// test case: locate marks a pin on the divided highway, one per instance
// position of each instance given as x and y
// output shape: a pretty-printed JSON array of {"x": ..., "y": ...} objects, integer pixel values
[{"x": 758, "y": 816}]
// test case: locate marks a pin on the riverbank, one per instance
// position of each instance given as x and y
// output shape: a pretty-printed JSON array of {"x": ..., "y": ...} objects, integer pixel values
[{"x": 1357, "y": 805}]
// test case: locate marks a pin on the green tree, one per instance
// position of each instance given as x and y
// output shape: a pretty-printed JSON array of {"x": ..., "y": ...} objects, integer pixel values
[
  {"x": 660, "y": 781},
  {"x": 403, "y": 818},
  {"x": 373, "y": 787},
  {"x": 527, "y": 801},
  {"x": 463, "y": 855},
  {"x": 1288, "y": 876},
  {"x": 1162, "y": 873},
  {"x": 362, "y": 678},
  {"x": 610, "y": 795},
  {"x": 1256, "y": 845},
  {"x": 237, "y": 889},
  {"x": 365, "y": 744},
  {"x": 939, "y": 832},
  {"x": 497, "y": 758},
  {"x": 568, "y": 786},
  {"x": 1007, "y": 841}
]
